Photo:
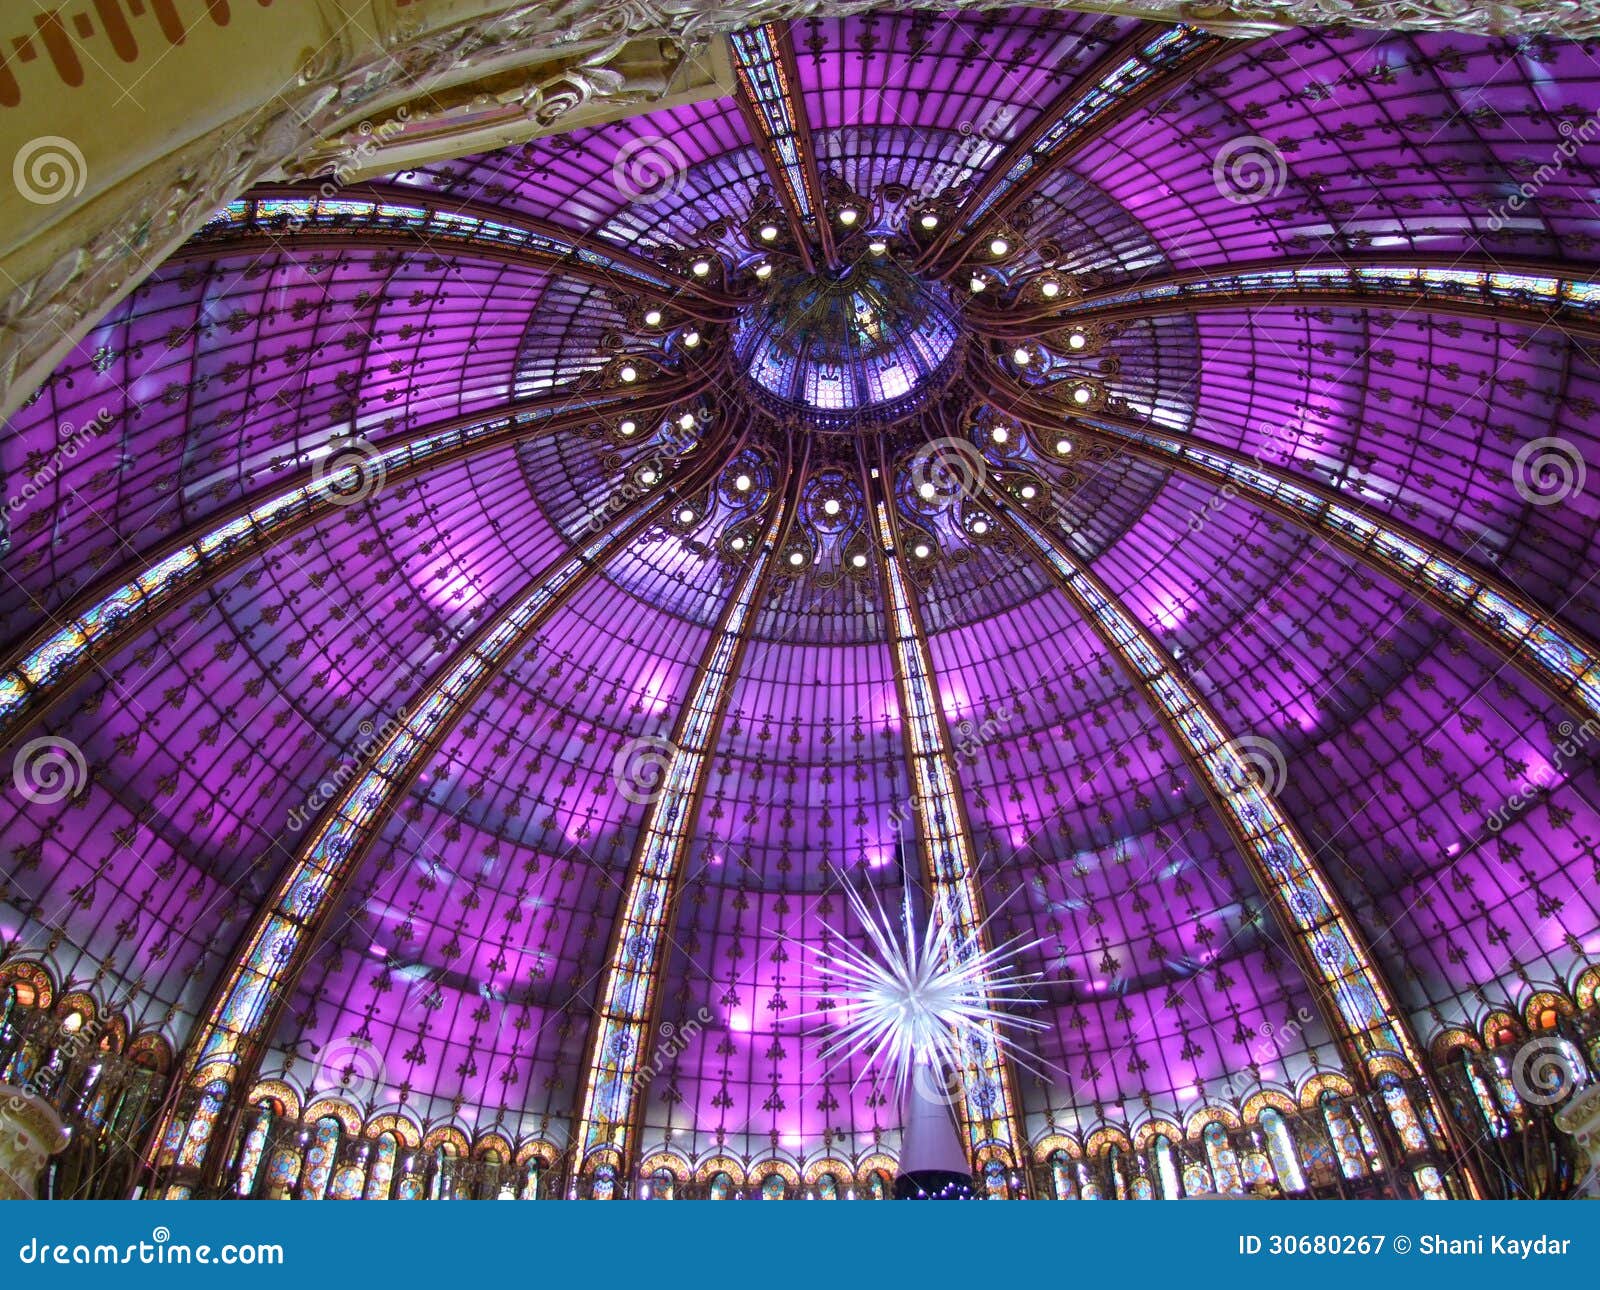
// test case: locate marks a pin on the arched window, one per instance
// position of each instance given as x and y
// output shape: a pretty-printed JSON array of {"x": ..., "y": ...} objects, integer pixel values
[
  {"x": 1088, "y": 1185},
  {"x": 255, "y": 1143},
  {"x": 1166, "y": 1168},
  {"x": 1224, "y": 1162},
  {"x": 994, "y": 1180},
  {"x": 1488, "y": 1108},
  {"x": 350, "y": 1174},
  {"x": 1347, "y": 1143},
  {"x": 1115, "y": 1167},
  {"x": 319, "y": 1159},
  {"x": 443, "y": 1186},
  {"x": 721, "y": 1185},
  {"x": 193, "y": 1152},
  {"x": 827, "y": 1187},
  {"x": 663, "y": 1184},
  {"x": 773, "y": 1187},
  {"x": 1061, "y": 1176},
  {"x": 531, "y": 1181},
  {"x": 381, "y": 1175},
  {"x": 605, "y": 1183},
  {"x": 878, "y": 1185},
  {"x": 1280, "y": 1149}
]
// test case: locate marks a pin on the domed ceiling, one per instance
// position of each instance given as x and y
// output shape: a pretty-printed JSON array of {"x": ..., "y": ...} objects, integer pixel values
[{"x": 498, "y": 606}]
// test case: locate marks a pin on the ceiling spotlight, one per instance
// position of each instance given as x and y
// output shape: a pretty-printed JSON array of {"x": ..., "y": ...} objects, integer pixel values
[
  {"x": 921, "y": 551},
  {"x": 737, "y": 544},
  {"x": 691, "y": 339},
  {"x": 929, "y": 221},
  {"x": 1021, "y": 357},
  {"x": 831, "y": 506},
  {"x": 797, "y": 558},
  {"x": 1028, "y": 492},
  {"x": 629, "y": 373},
  {"x": 999, "y": 246},
  {"x": 700, "y": 268},
  {"x": 1063, "y": 446},
  {"x": 1077, "y": 340},
  {"x": 848, "y": 216},
  {"x": 858, "y": 561},
  {"x": 1000, "y": 434},
  {"x": 685, "y": 516},
  {"x": 763, "y": 270},
  {"x": 927, "y": 491},
  {"x": 686, "y": 421},
  {"x": 652, "y": 318},
  {"x": 1050, "y": 289},
  {"x": 742, "y": 483},
  {"x": 648, "y": 476},
  {"x": 877, "y": 247},
  {"x": 1082, "y": 394},
  {"x": 769, "y": 232},
  {"x": 628, "y": 428},
  {"x": 980, "y": 527},
  {"x": 977, "y": 284}
]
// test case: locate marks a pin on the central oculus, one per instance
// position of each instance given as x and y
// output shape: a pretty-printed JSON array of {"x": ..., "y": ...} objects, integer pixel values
[{"x": 859, "y": 346}]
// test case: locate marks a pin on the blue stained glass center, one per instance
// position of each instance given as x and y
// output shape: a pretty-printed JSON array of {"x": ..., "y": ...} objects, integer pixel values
[{"x": 866, "y": 344}]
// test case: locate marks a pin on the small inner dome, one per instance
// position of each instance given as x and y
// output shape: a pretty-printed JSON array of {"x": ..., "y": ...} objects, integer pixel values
[{"x": 867, "y": 343}]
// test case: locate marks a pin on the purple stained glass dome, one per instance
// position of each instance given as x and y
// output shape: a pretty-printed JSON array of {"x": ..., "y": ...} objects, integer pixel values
[{"x": 467, "y": 633}]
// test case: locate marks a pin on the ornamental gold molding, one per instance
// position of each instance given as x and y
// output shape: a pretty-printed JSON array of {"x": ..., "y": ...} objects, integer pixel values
[
  {"x": 30, "y": 1133},
  {"x": 113, "y": 167}
]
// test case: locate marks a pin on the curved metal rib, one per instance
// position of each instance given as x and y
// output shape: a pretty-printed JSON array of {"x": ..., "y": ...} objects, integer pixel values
[
  {"x": 989, "y": 1108},
  {"x": 104, "y": 617},
  {"x": 1555, "y": 655},
  {"x": 1358, "y": 1007},
  {"x": 1533, "y": 292},
  {"x": 228, "y": 1042},
  {"x": 293, "y": 217},
  {"x": 605, "y": 1122}
]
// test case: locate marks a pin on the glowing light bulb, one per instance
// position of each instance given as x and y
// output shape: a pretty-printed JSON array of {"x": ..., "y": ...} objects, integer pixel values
[
  {"x": 929, "y": 221},
  {"x": 652, "y": 318},
  {"x": 976, "y": 285},
  {"x": 1000, "y": 434},
  {"x": 1021, "y": 357},
  {"x": 691, "y": 339},
  {"x": 743, "y": 483},
  {"x": 648, "y": 476},
  {"x": 769, "y": 232},
  {"x": 1028, "y": 492},
  {"x": 1077, "y": 340},
  {"x": 831, "y": 506},
  {"x": 980, "y": 527},
  {"x": 1082, "y": 394},
  {"x": 737, "y": 544},
  {"x": 628, "y": 428},
  {"x": 700, "y": 268},
  {"x": 1063, "y": 446},
  {"x": 797, "y": 558},
  {"x": 685, "y": 516},
  {"x": 763, "y": 270},
  {"x": 999, "y": 246},
  {"x": 629, "y": 373},
  {"x": 1050, "y": 290},
  {"x": 848, "y": 216},
  {"x": 877, "y": 247},
  {"x": 686, "y": 421},
  {"x": 858, "y": 561},
  {"x": 921, "y": 551},
  {"x": 927, "y": 491}
]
